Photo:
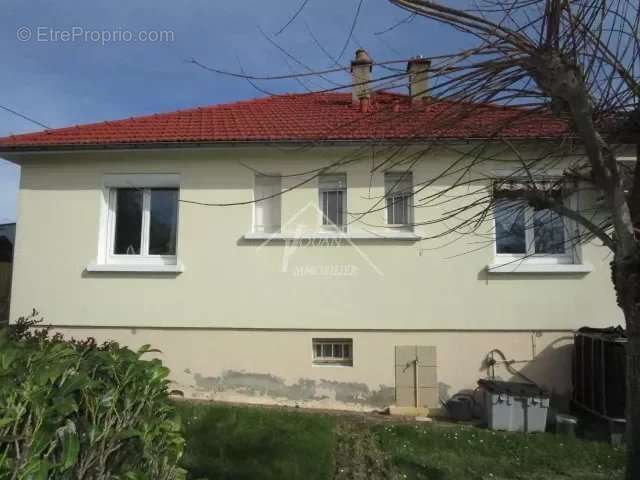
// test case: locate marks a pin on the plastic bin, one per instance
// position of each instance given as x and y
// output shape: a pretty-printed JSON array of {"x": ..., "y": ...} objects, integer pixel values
[{"x": 515, "y": 407}]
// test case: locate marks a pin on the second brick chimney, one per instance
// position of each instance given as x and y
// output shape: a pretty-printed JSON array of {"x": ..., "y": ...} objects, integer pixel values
[
  {"x": 418, "y": 69},
  {"x": 361, "y": 67}
]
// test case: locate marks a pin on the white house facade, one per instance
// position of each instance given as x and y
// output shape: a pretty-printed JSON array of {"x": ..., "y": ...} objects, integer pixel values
[{"x": 293, "y": 270}]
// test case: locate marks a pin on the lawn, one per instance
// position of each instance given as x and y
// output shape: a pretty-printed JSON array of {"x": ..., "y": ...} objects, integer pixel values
[
  {"x": 232, "y": 442},
  {"x": 439, "y": 453}
]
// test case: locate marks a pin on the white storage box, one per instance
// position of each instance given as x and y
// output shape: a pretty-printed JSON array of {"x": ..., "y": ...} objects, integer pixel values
[{"x": 515, "y": 407}]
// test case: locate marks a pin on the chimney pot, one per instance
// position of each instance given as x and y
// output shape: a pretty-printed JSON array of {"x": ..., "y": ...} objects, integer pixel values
[
  {"x": 418, "y": 69},
  {"x": 361, "y": 67},
  {"x": 365, "y": 104}
]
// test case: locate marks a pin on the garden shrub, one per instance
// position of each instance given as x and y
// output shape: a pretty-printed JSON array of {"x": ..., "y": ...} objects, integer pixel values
[{"x": 78, "y": 410}]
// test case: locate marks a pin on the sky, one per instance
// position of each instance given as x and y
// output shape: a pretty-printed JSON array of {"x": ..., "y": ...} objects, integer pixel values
[{"x": 69, "y": 62}]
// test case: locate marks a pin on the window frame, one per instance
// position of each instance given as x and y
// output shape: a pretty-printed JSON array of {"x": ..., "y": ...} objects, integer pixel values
[
  {"x": 321, "y": 190},
  {"x": 573, "y": 251},
  {"x": 255, "y": 228},
  {"x": 530, "y": 256},
  {"x": 343, "y": 361},
  {"x": 400, "y": 176},
  {"x": 145, "y": 182}
]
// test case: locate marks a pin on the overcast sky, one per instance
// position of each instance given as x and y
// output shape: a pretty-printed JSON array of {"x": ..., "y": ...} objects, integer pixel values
[{"x": 61, "y": 82}]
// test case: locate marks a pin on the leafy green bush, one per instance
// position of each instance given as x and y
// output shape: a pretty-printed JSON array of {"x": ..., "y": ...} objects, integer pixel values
[{"x": 76, "y": 410}]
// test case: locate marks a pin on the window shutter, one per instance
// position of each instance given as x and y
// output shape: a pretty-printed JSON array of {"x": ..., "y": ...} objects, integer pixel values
[
  {"x": 398, "y": 183},
  {"x": 333, "y": 182},
  {"x": 510, "y": 186}
]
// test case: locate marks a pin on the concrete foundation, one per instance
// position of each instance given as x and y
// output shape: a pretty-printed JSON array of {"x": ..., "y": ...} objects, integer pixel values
[{"x": 275, "y": 366}]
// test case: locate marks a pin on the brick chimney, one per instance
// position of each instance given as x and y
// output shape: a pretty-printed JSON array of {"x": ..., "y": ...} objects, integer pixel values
[
  {"x": 418, "y": 69},
  {"x": 361, "y": 67}
]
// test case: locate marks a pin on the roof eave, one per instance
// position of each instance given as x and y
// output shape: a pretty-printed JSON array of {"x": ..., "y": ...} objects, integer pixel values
[{"x": 23, "y": 149}]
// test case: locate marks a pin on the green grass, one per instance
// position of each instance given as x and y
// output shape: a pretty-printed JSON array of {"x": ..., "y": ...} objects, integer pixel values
[
  {"x": 230, "y": 442},
  {"x": 456, "y": 453}
]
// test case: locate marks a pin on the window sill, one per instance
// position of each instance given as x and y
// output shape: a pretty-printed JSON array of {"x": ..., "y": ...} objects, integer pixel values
[
  {"x": 407, "y": 236},
  {"x": 332, "y": 364},
  {"x": 524, "y": 267},
  {"x": 135, "y": 268}
]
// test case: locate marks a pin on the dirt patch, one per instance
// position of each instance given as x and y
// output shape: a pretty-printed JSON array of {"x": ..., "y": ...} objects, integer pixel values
[{"x": 358, "y": 455}]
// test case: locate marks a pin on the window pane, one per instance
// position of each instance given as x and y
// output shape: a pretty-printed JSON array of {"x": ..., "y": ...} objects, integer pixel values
[
  {"x": 333, "y": 196},
  {"x": 347, "y": 351},
  {"x": 268, "y": 212},
  {"x": 548, "y": 228},
  {"x": 163, "y": 222},
  {"x": 399, "y": 190},
  {"x": 128, "y": 232},
  {"x": 337, "y": 350},
  {"x": 510, "y": 227},
  {"x": 332, "y": 207},
  {"x": 398, "y": 210},
  {"x": 318, "y": 350},
  {"x": 339, "y": 208},
  {"x": 326, "y": 350}
]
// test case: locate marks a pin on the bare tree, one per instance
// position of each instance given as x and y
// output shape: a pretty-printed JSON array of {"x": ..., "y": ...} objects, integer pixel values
[{"x": 579, "y": 60}]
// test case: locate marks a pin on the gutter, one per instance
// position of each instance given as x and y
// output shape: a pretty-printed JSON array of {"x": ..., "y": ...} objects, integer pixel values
[{"x": 64, "y": 148}]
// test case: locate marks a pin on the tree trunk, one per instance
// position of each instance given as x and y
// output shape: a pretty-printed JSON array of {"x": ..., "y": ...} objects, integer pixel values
[
  {"x": 626, "y": 278},
  {"x": 633, "y": 401}
]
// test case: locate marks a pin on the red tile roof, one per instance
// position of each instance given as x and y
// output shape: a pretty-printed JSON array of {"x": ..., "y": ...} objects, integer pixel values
[{"x": 302, "y": 117}]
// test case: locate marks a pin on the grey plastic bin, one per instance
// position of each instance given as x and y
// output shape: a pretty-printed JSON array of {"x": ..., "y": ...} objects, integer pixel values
[{"x": 515, "y": 407}]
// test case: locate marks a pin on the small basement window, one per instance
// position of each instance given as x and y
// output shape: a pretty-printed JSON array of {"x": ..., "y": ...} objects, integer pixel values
[{"x": 333, "y": 351}]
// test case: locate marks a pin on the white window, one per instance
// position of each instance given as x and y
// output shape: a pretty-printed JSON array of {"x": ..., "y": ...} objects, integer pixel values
[
  {"x": 333, "y": 351},
  {"x": 140, "y": 226},
  {"x": 399, "y": 194},
  {"x": 333, "y": 201},
  {"x": 268, "y": 205},
  {"x": 537, "y": 235}
]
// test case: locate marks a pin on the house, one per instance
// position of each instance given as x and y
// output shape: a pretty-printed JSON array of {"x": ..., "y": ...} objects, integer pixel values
[
  {"x": 7, "y": 236},
  {"x": 243, "y": 241}
]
